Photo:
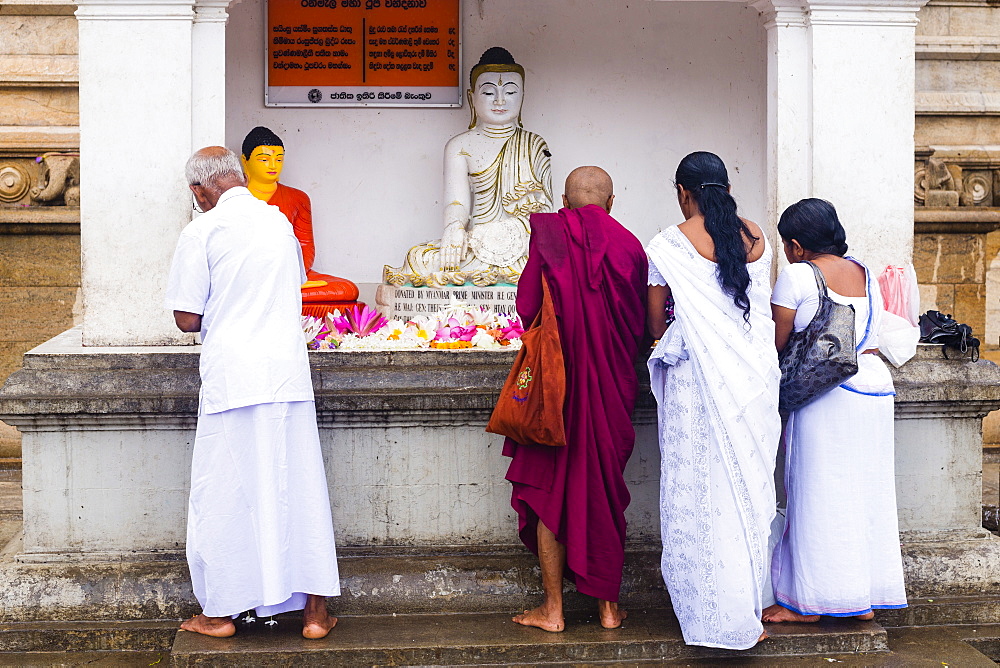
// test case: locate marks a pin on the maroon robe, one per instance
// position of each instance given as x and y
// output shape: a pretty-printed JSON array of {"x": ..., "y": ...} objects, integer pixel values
[{"x": 597, "y": 274}]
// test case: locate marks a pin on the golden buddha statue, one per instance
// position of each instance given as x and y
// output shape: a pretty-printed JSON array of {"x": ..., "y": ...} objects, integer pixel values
[
  {"x": 263, "y": 157},
  {"x": 495, "y": 176}
]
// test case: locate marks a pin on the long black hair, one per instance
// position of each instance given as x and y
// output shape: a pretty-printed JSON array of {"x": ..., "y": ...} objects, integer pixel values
[
  {"x": 704, "y": 175},
  {"x": 814, "y": 224}
]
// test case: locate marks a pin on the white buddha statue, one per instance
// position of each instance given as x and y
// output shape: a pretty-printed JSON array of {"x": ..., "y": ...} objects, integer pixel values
[{"x": 495, "y": 176}]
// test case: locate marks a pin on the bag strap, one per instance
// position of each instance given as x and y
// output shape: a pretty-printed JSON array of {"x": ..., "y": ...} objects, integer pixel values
[
  {"x": 546, "y": 297},
  {"x": 820, "y": 280}
]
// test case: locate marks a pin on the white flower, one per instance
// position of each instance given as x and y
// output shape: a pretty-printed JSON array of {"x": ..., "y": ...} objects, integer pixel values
[
  {"x": 311, "y": 327},
  {"x": 484, "y": 340}
]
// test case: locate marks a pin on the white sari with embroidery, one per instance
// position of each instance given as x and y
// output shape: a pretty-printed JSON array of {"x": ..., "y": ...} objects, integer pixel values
[{"x": 715, "y": 378}]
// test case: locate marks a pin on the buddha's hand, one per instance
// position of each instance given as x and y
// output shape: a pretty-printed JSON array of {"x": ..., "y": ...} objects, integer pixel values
[{"x": 454, "y": 245}]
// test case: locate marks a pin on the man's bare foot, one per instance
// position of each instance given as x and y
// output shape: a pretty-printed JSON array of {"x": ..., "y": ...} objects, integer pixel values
[
  {"x": 865, "y": 617},
  {"x": 316, "y": 619},
  {"x": 778, "y": 614},
  {"x": 217, "y": 627},
  {"x": 611, "y": 615},
  {"x": 542, "y": 618}
]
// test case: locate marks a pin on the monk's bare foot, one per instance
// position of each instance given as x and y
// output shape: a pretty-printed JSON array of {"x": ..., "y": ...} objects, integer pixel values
[
  {"x": 778, "y": 614},
  {"x": 316, "y": 619},
  {"x": 611, "y": 615},
  {"x": 865, "y": 617},
  {"x": 543, "y": 618},
  {"x": 217, "y": 627}
]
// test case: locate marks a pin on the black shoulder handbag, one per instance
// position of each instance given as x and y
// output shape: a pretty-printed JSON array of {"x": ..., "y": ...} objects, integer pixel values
[
  {"x": 936, "y": 327},
  {"x": 821, "y": 356}
]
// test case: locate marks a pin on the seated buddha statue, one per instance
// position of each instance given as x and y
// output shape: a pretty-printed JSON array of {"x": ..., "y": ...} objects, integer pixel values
[
  {"x": 495, "y": 176},
  {"x": 263, "y": 157}
]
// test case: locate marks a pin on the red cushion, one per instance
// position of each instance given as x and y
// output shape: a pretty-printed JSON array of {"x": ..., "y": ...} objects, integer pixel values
[{"x": 336, "y": 289}]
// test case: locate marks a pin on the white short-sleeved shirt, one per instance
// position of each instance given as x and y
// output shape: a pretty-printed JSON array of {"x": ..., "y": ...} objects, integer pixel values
[
  {"x": 240, "y": 267},
  {"x": 796, "y": 289}
]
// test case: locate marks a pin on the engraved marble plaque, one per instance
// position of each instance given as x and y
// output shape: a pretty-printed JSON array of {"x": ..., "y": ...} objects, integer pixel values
[{"x": 408, "y": 302}]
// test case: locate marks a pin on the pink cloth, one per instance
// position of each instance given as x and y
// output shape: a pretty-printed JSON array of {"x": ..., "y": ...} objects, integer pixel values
[
  {"x": 896, "y": 290},
  {"x": 597, "y": 272}
]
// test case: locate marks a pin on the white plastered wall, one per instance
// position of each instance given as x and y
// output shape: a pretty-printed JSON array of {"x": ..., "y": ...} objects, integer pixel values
[{"x": 632, "y": 86}]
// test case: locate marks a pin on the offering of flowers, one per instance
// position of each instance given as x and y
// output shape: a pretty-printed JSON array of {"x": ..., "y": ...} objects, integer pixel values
[{"x": 459, "y": 326}]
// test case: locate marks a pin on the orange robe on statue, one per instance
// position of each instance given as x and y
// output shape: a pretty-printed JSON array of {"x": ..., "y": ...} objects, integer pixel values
[{"x": 297, "y": 208}]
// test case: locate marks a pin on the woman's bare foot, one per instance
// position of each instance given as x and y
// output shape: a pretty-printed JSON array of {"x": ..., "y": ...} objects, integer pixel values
[
  {"x": 778, "y": 614},
  {"x": 611, "y": 615},
  {"x": 216, "y": 627},
  {"x": 763, "y": 637},
  {"x": 316, "y": 619},
  {"x": 866, "y": 616},
  {"x": 543, "y": 618}
]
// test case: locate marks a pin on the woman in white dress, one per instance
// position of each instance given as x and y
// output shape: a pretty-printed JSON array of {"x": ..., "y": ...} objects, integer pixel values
[
  {"x": 715, "y": 376},
  {"x": 839, "y": 554}
]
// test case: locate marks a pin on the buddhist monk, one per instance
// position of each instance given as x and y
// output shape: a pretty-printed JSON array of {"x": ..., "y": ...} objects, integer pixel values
[{"x": 571, "y": 500}]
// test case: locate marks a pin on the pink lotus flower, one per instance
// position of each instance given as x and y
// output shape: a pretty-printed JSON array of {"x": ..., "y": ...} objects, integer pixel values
[
  {"x": 463, "y": 333},
  {"x": 357, "y": 321},
  {"x": 513, "y": 329}
]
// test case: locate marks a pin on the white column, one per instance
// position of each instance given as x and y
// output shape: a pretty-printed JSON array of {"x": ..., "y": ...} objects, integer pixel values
[
  {"x": 789, "y": 104},
  {"x": 863, "y": 121},
  {"x": 135, "y": 136},
  {"x": 208, "y": 77}
]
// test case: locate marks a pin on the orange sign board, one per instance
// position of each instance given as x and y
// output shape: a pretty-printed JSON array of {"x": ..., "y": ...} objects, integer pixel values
[{"x": 363, "y": 52}]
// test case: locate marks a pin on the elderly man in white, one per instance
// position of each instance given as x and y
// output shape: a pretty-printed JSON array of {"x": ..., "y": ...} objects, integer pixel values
[{"x": 260, "y": 534}]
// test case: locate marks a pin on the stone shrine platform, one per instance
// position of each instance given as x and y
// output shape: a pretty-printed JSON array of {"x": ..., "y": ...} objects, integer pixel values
[
  {"x": 408, "y": 302},
  {"x": 426, "y": 540}
]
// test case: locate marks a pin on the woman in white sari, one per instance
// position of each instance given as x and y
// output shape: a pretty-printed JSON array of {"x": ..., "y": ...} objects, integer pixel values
[
  {"x": 715, "y": 376},
  {"x": 839, "y": 554}
]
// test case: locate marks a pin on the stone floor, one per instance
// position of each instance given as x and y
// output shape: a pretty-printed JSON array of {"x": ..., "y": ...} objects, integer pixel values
[{"x": 964, "y": 645}]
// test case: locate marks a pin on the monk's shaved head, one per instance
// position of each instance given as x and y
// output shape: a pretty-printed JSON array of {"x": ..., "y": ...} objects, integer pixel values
[{"x": 588, "y": 185}]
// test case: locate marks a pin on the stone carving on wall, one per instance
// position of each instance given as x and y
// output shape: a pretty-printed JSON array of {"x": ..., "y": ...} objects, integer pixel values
[
  {"x": 53, "y": 179},
  {"x": 956, "y": 178},
  {"x": 61, "y": 176},
  {"x": 15, "y": 182}
]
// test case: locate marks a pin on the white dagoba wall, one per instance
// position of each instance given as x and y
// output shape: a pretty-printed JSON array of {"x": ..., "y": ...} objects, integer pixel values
[{"x": 801, "y": 97}]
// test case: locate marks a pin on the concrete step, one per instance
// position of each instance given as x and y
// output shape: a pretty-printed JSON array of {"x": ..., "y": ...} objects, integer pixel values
[
  {"x": 385, "y": 580},
  {"x": 132, "y": 636},
  {"x": 89, "y": 659},
  {"x": 493, "y": 639},
  {"x": 373, "y": 581},
  {"x": 945, "y": 610}
]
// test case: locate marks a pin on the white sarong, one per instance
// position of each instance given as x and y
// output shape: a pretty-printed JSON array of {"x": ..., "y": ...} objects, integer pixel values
[
  {"x": 715, "y": 378},
  {"x": 260, "y": 533}
]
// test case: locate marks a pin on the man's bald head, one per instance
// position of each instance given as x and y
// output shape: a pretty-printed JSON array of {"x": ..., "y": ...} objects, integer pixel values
[{"x": 588, "y": 185}]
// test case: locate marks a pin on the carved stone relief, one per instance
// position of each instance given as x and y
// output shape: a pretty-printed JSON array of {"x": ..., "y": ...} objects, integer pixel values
[
  {"x": 956, "y": 178},
  {"x": 14, "y": 183},
  {"x": 52, "y": 179}
]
